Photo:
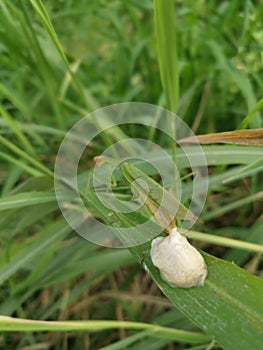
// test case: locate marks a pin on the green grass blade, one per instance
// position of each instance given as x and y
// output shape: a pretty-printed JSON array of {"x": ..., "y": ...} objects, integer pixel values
[
  {"x": 13, "y": 176},
  {"x": 103, "y": 262},
  {"x": 164, "y": 18},
  {"x": 25, "y": 156},
  {"x": 251, "y": 169},
  {"x": 237, "y": 204},
  {"x": 47, "y": 237},
  {"x": 23, "y": 325},
  {"x": 15, "y": 98},
  {"x": 240, "y": 78},
  {"x": 26, "y": 199},
  {"x": 225, "y": 241},
  {"x": 45, "y": 20},
  {"x": 248, "y": 119},
  {"x": 122, "y": 344},
  {"x": 15, "y": 16},
  {"x": 20, "y": 164},
  {"x": 12, "y": 124}
]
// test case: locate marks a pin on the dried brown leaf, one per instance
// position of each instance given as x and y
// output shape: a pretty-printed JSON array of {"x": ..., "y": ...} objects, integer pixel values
[{"x": 252, "y": 137}]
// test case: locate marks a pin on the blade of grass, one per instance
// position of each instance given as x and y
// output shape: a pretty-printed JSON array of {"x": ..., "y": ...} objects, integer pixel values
[
  {"x": 248, "y": 119},
  {"x": 254, "y": 234},
  {"x": 41, "y": 11},
  {"x": 225, "y": 241},
  {"x": 14, "y": 172},
  {"x": 20, "y": 164},
  {"x": 26, "y": 199},
  {"x": 165, "y": 31},
  {"x": 237, "y": 204},
  {"x": 164, "y": 20},
  {"x": 47, "y": 237},
  {"x": 240, "y": 78},
  {"x": 253, "y": 168},
  {"x": 12, "y": 324},
  {"x": 14, "y": 98},
  {"x": 101, "y": 262},
  {"x": 25, "y": 156},
  {"x": 12, "y": 124},
  {"x": 215, "y": 155},
  {"x": 43, "y": 68},
  {"x": 122, "y": 344}
]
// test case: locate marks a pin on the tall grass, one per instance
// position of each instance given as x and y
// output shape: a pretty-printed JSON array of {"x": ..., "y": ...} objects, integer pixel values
[{"x": 61, "y": 60}]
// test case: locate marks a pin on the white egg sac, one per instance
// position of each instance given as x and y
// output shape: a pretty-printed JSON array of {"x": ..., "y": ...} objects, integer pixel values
[{"x": 180, "y": 264}]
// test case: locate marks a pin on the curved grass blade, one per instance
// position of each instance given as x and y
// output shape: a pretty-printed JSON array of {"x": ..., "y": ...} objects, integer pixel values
[
  {"x": 248, "y": 170},
  {"x": 18, "y": 324}
]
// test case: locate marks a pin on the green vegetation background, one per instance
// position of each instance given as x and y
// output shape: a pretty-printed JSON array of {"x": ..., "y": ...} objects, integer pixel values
[{"x": 60, "y": 60}]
